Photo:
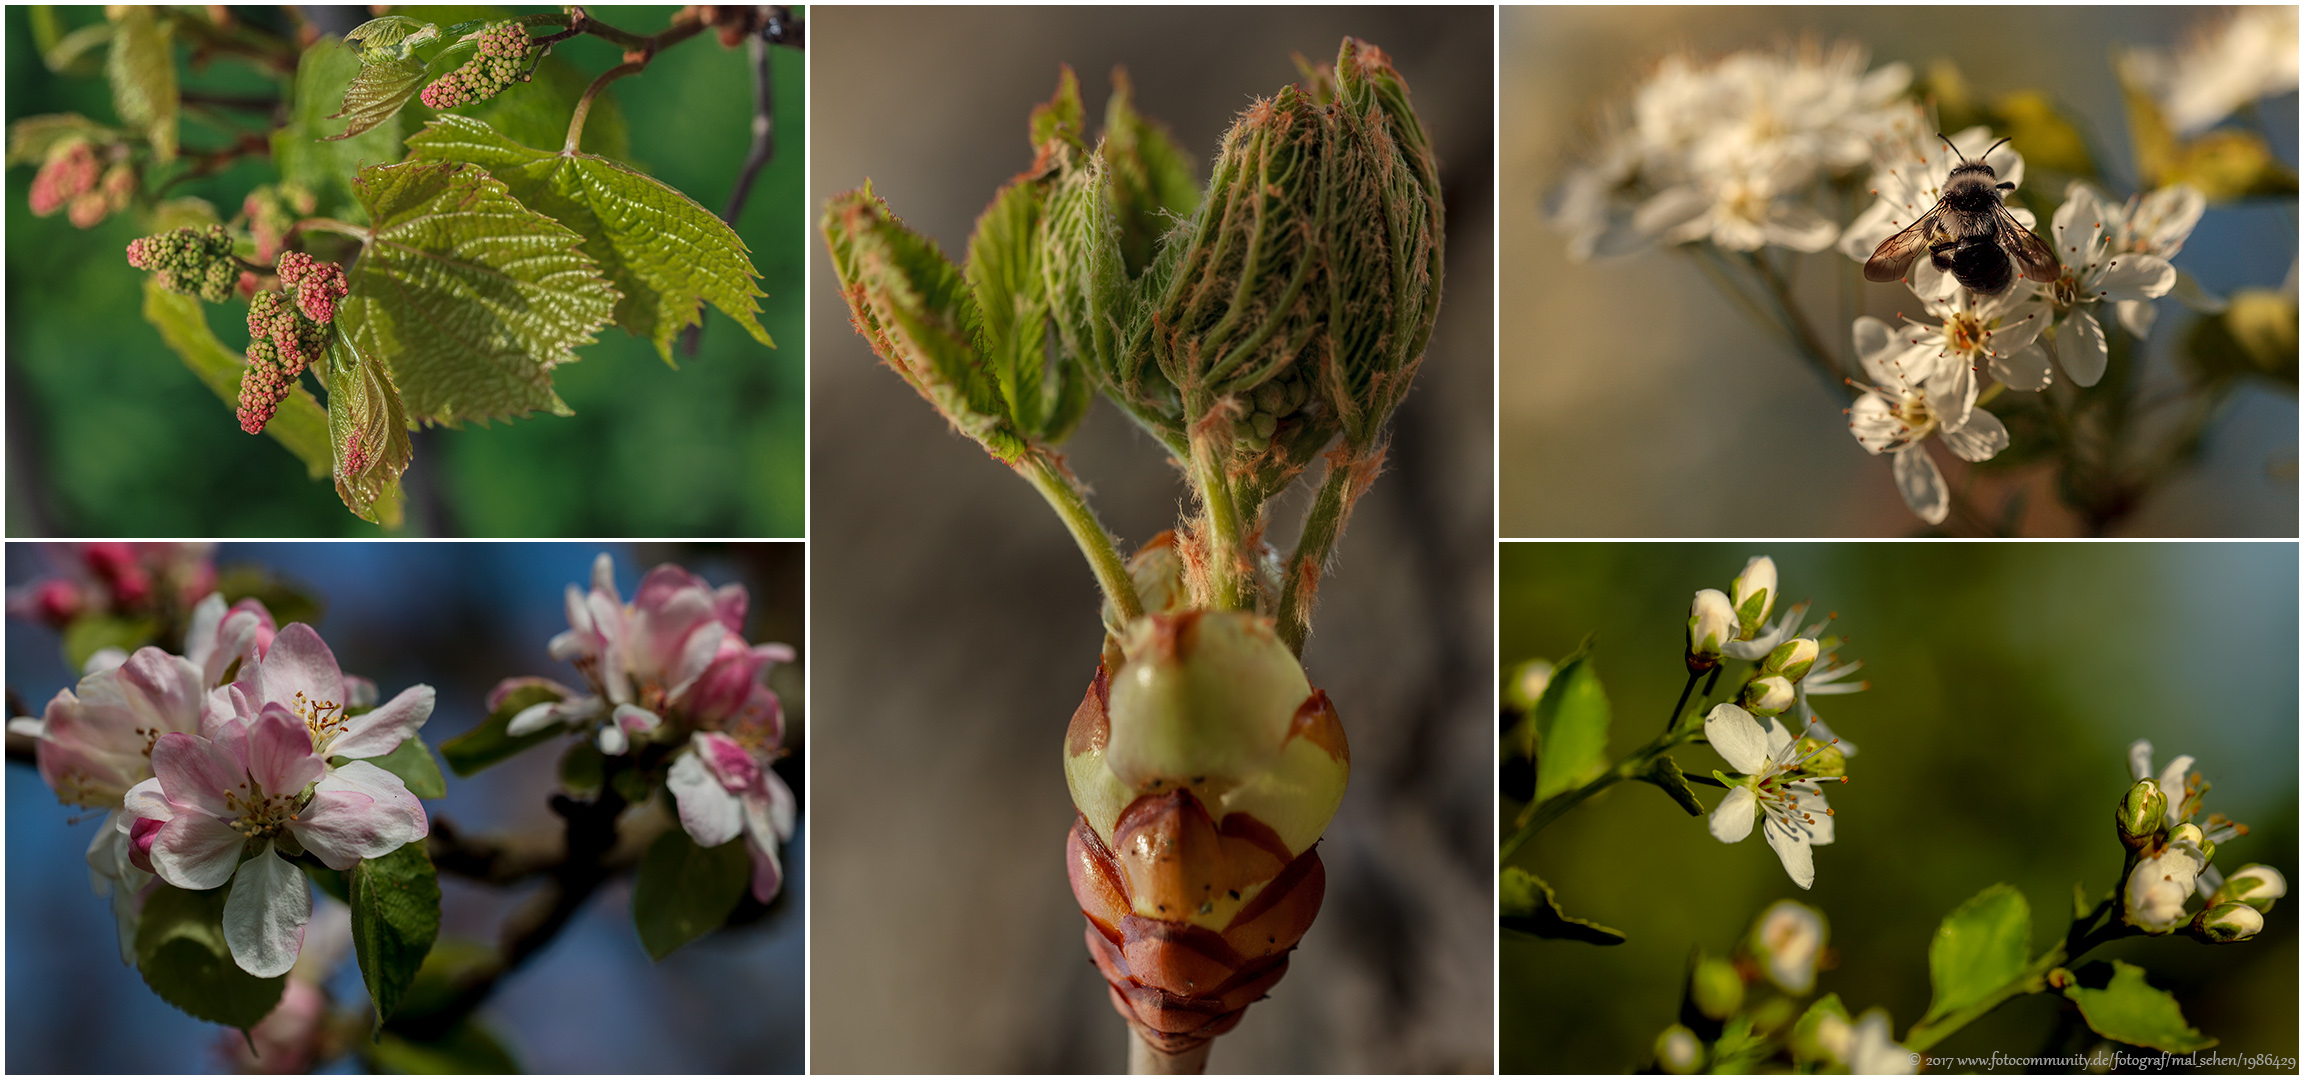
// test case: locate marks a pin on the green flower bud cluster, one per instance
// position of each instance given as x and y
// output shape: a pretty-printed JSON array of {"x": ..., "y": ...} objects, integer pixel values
[
  {"x": 195, "y": 262},
  {"x": 286, "y": 334},
  {"x": 504, "y": 52}
]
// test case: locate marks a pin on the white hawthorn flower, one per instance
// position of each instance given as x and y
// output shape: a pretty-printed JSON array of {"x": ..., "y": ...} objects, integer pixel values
[
  {"x": 2249, "y": 55},
  {"x": 2157, "y": 223},
  {"x": 1789, "y": 940},
  {"x": 2183, "y": 788},
  {"x": 1867, "y": 1047},
  {"x": 2160, "y": 885},
  {"x": 1773, "y": 790},
  {"x": 2094, "y": 271},
  {"x": 1916, "y": 393}
]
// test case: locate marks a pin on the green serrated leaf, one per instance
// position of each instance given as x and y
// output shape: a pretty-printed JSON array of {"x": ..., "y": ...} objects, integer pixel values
[
  {"x": 142, "y": 69},
  {"x": 367, "y": 432},
  {"x": 2131, "y": 1010},
  {"x": 1061, "y": 116},
  {"x": 376, "y": 94},
  {"x": 662, "y": 251},
  {"x": 535, "y": 113},
  {"x": 1667, "y": 775},
  {"x": 1528, "y": 907},
  {"x": 395, "y": 916},
  {"x": 466, "y": 1048},
  {"x": 583, "y": 768},
  {"x": 181, "y": 953},
  {"x": 1571, "y": 721},
  {"x": 469, "y": 298},
  {"x": 686, "y": 891},
  {"x": 391, "y": 36},
  {"x": 300, "y": 425},
  {"x": 1086, "y": 285},
  {"x": 1982, "y": 945},
  {"x": 487, "y": 743},
  {"x": 1006, "y": 279},
  {"x": 308, "y": 151},
  {"x": 88, "y": 634},
  {"x": 413, "y": 763},
  {"x": 29, "y": 139},
  {"x": 1153, "y": 182}
]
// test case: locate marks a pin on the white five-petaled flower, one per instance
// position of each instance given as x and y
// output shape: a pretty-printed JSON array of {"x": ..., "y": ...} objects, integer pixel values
[
  {"x": 2095, "y": 271},
  {"x": 1867, "y": 1047},
  {"x": 1915, "y": 392},
  {"x": 2248, "y": 55},
  {"x": 1790, "y": 804},
  {"x": 2183, "y": 789},
  {"x": 1789, "y": 939},
  {"x": 2157, "y": 223}
]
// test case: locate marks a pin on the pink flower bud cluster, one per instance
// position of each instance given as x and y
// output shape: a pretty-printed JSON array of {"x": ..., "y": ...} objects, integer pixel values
[
  {"x": 115, "y": 577},
  {"x": 271, "y": 210},
  {"x": 318, "y": 285},
  {"x": 285, "y": 336},
  {"x": 504, "y": 51},
  {"x": 190, "y": 261},
  {"x": 69, "y": 181}
]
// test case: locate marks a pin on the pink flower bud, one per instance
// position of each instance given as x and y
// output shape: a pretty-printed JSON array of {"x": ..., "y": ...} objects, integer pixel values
[
  {"x": 56, "y": 601},
  {"x": 141, "y": 832}
]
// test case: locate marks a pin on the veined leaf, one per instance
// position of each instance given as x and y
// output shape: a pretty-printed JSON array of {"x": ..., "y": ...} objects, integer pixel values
[
  {"x": 666, "y": 254},
  {"x": 391, "y": 36},
  {"x": 142, "y": 69},
  {"x": 1571, "y": 721},
  {"x": 1980, "y": 946},
  {"x": 300, "y": 425},
  {"x": 1153, "y": 184},
  {"x": 2134, "y": 1011},
  {"x": 377, "y": 93},
  {"x": 181, "y": 953},
  {"x": 368, "y": 433},
  {"x": 686, "y": 891},
  {"x": 307, "y": 150},
  {"x": 469, "y": 298},
  {"x": 1004, "y": 270},
  {"x": 395, "y": 917}
]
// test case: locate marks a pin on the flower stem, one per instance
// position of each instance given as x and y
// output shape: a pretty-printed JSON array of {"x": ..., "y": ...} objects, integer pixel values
[
  {"x": 638, "y": 51},
  {"x": 1145, "y": 1059},
  {"x": 1673, "y": 720},
  {"x": 2032, "y": 980},
  {"x": 1300, "y": 583},
  {"x": 1221, "y": 515},
  {"x": 1065, "y": 497}
]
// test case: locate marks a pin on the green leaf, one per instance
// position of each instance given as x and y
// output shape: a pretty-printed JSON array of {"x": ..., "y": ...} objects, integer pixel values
[
  {"x": 1571, "y": 728},
  {"x": 377, "y": 94},
  {"x": 29, "y": 139},
  {"x": 466, "y": 1048},
  {"x": 1738, "y": 1049},
  {"x": 1004, "y": 272},
  {"x": 181, "y": 953},
  {"x": 90, "y": 633},
  {"x": 1153, "y": 182},
  {"x": 487, "y": 743},
  {"x": 666, "y": 254},
  {"x": 1982, "y": 945},
  {"x": 300, "y": 425},
  {"x": 2131, "y": 1010},
  {"x": 142, "y": 68},
  {"x": 467, "y": 296},
  {"x": 686, "y": 891},
  {"x": 395, "y": 916},
  {"x": 1528, "y": 907},
  {"x": 413, "y": 763},
  {"x": 1806, "y": 1045},
  {"x": 583, "y": 769},
  {"x": 1061, "y": 116},
  {"x": 391, "y": 37},
  {"x": 1666, "y": 774},
  {"x": 307, "y": 149},
  {"x": 367, "y": 432}
]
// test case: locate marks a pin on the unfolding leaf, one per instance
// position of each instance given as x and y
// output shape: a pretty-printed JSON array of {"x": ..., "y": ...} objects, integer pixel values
[
  {"x": 1666, "y": 774},
  {"x": 142, "y": 69},
  {"x": 367, "y": 433},
  {"x": 469, "y": 298},
  {"x": 30, "y": 137},
  {"x": 686, "y": 891},
  {"x": 391, "y": 36},
  {"x": 377, "y": 93},
  {"x": 1004, "y": 270},
  {"x": 69, "y": 54},
  {"x": 2131, "y": 1010},
  {"x": 666, "y": 254},
  {"x": 487, "y": 743},
  {"x": 1528, "y": 907},
  {"x": 395, "y": 917},
  {"x": 307, "y": 149},
  {"x": 181, "y": 953},
  {"x": 300, "y": 425},
  {"x": 1571, "y": 721},
  {"x": 1982, "y": 945},
  {"x": 1153, "y": 185}
]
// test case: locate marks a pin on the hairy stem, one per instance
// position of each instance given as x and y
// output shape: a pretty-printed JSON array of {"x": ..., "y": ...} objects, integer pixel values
[
  {"x": 1300, "y": 578},
  {"x": 1220, "y": 516},
  {"x": 1071, "y": 504}
]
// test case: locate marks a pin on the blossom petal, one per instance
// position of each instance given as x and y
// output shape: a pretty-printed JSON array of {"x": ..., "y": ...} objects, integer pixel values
[
  {"x": 381, "y": 731},
  {"x": 532, "y": 719},
  {"x": 2080, "y": 348},
  {"x": 1732, "y": 819},
  {"x": 1921, "y": 485},
  {"x": 265, "y": 915},
  {"x": 359, "y": 812},
  {"x": 298, "y": 662},
  {"x": 2137, "y": 316},
  {"x": 195, "y": 851},
  {"x": 1737, "y": 738},
  {"x": 280, "y": 755},
  {"x": 2025, "y": 369},
  {"x": 711, "y": 814},
  {"x": 1792, "y": 848},
  {"x": 1977, "y": 440},
  {"x": 767, "y": 869},
  {"x": 195, "y": 773},
  {"x": 2140, "y": 759},
  {"x": 1815, "y": 813},
  {"x": 1875, "y": 424},
  {"x": 2134, "y": 277}
]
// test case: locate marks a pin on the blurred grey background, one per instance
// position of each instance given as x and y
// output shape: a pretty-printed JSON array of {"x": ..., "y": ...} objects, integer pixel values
[
  {"x": 955, "y": 625},
  {"x": 1636, "y": 400}
]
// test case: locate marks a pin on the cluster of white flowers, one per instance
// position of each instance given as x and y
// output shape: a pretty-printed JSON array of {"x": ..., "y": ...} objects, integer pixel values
[
  {"x": 1729, "y": 151},
  {"x": 2250, "y": 55},
  {"x": 2173, "y": 865}
]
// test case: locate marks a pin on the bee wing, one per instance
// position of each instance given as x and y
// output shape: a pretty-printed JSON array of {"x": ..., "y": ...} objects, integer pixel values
[
  {"x": 1895, "y": 254},
  {"x": 2026, "y": 247}
]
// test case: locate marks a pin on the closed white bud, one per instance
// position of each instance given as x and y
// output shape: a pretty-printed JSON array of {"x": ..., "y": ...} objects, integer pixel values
[
  {"x": 2255, "y": 885},
  {"x": 1711, "y": 624},
  {"x": 1678, "y": 1052},
  {"x": 1791, "y": 659},
  {"x": 1754, "y": 593},
  {"x": 1767, "y": 695},
  {"x": 2227, "y": 923}
]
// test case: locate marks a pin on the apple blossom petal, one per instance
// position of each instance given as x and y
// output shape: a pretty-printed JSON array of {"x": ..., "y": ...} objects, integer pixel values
[
  {"x": 767, "y": 870},
  {"x": 1792, "y": 848},
  {"x": 152, "y": 690},
  {"x": 299, "y": 662},
  {"x": 359, "y": 812},
  {"x": 612, "y": 740},
  {"x": 146, "y": 800},
  {"x": 1737, "y": 737},
  {"x": 604, "y": 576},
  {"x": 783, "y": 808},
  {"x": 1921, "y": 485},
  {"x": 195, "y": 773},
  {"x": 104, "y": 659},
  {"x": 2136, "y": 316},
  {"x": 533, "y": 719},
  {"x": 508, "y": 687},
  {"x": 708, "y": 811},
  {"x": 635, "y": 720},
  {"x": 695, "y": 655},
  {"x": 2024, "y": 369},
  {"x": 1732, "y": 819},
  {"x": 1977, "y": 440},
  {"x": 265, "y": 915},
  {"x": 729, "y": 604},
  {"x": 280, "y": 754},
  {"x": 381, "y": 730},
  {"x": 195, "y": 851},
  {"x": 727, "y": 759}
]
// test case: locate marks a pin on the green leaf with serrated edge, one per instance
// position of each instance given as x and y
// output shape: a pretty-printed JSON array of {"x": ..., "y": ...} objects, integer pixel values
[
  {"x": 300, "y": 425},
  {"x": 2131, "y": 1010},
  {"x": 469, "y": 298},
  {"x": 467, "y": 1048},
  {"x": 377, "y": 94},
  {"x": 583, "y": 768},
  {"x": 413, "y": 763},
  {"x": 487, "y": 743},
  {"x": 1061, "y": 116},
  {"x": 367, "y": 433},
  {"x": 1738, "y": 1048},
  {"x": 1571, "y": 721},
  {"x": 1011, "y": 300},
  {"x": 686, "y": 891},
  {"x": 308, "y": 151},
  {"x": 1086, "y": 286},
  {"x": 535, "y": 113},
  {"x": 181, "y": 953},
  {"x": 1666, "y": 774},
  {"x": 913, "y": 305},
  {"x": 395, "y": 916},
  {"x": 1982, "y": 945},
  {"x": 391, "y": 36},
  {"x": 666, "y": 254},
  {"x": 88, "y": 634},
  {"x": 1528, "y": 907},
  {"x": 30, "y": 138},
  {"x": 1153, "y": 184},
  {"x": 142, "y": 69}
]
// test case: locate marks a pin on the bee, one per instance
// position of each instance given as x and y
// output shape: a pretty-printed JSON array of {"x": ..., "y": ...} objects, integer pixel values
[{"x": 1968, "y": 234}]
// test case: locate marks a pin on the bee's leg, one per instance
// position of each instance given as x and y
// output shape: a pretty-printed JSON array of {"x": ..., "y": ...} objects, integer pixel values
[{"x": 1940, "y": 254}]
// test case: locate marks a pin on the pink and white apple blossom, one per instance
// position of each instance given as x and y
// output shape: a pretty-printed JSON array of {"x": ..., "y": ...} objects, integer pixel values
[{"x": 724, "y": 789}]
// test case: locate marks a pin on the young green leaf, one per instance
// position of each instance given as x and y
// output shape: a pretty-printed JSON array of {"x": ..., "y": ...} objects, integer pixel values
[
  {"x": 300, "y": 425},
  {"x": 468, "y": 297},
  {"x": 686, "y": 891},
  {"x": 1005, "y": 276},
  {"x": 1666, "y": 774},
  {"x": 1528, "y": 907},
  {"x": 142, "y": 68},
  {"x": 2133, "y": 1011},
  {"x": 1153, "y": 183},
  {"x": 1982, "y": 945},
  {"x": 393, "y": 37},
  {"x": 30, "y": 138},
  {"x": 666, "y": 254},
  {"x": 1571, "y": 728},
  {"x": 395, "y": 916},
  {"x": 308, "y": 152},
  {"x": 486, "y": 744},
  {"x": 413, "y": 763},
  {"x": 368, "y": 433},
  {"x": 181, "y": 953}
]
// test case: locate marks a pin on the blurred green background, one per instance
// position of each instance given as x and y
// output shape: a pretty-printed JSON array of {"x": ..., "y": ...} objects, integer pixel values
[
  {"x": 2007, "y": 682},
  {"x": 110, "y": 435}
]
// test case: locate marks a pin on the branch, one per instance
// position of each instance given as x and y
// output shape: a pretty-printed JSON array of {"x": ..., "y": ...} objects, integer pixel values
[
  {"x": 763, "y": 151},
  {"x": 638, "y": 51}
]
